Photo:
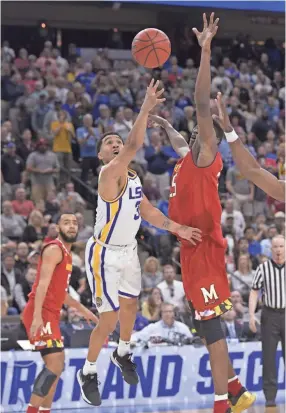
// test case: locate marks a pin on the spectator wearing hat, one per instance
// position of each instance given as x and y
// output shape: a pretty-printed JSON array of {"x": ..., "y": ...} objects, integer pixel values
[
  {"x": 42, "y": 165},
  {"x": 21, "y": 205},
  {"x": 87, "y": 137},
  {"x": 12, "y": 165},
  {"x": 12, "y": 224},
  {"x": 279, "y": 220},
  {"x": 33, "y": 259},
  {"x": 41, "y": 109}
]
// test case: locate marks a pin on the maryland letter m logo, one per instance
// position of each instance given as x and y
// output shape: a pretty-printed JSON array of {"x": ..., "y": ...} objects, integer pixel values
[
  {"x": 46, "y": 330},
  {"x": 210, "y": 295}
]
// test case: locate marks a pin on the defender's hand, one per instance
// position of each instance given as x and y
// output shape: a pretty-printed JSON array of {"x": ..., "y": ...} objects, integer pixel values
[
  {"x": 158, "y": 121},
  {"x": 193, "y": 235},
  {"x": 222, "y": 118},
  {"x": 209, "y": 31},
  {"x": 152, "y": 97}
]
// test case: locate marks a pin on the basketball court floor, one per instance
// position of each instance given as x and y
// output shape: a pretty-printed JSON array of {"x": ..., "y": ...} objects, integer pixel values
[{"x": 254, "y": 409}]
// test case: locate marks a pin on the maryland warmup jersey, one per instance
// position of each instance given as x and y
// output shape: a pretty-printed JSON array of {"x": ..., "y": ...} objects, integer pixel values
[{"x": 111, "y": 258}]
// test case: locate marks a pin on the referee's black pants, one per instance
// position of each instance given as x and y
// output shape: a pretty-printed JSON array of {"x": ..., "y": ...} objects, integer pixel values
[{"x": 272, "y": 331}]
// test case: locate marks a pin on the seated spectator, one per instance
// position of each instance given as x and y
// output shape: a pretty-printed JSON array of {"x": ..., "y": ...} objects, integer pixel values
[
  {"x": 25, "y": 146},
  {"x": 52, "y": 204},
  {"x": 63, "y": 133},
  {"x": 42, "y": 166},
  {"x": 104, "y": 122},
  {"x": 87, "y": 137},
  {"x": 10, "y": 276},
  {"x": 68, "y": 194},
  {"x": 171, "y": 289},
  {"x": 33, "y": 259},
  {"x": 6, "y": 190},
  {"x": 151, "y": 309},
  {"x": 157, "y": 162},
  {"x": 266, "y": 242},
  {"x": 121, "y": 94},
  {"x": 123, "y": 122},
  {"x": 163, "y": 330},
  {"x": 150, "y": 189},
  {"x": 24, "y": 287},
  {"x": 238, "y": 218},
  {"x": 52, "y": 233},
  {"x": 232, "y": 327},
  {"x": 241, "y": 308},
  {"x": 74, "y": 323},
  {"x": 152, "y": 276},
  {"x": 12, "y": 165},
  {"x": 84, "y": 231},
  {"x": 35, "y": 231},
  {"x": 21, "y": 257},
  {"x": 242, "y": 190},
  {"x": 4, "y": 302},
  {"x": 242, "y": 278},
  {"x": 254, "y": 247},
  {"x": 21, "y": 62},
  {"x": 21, "y": 205},
  {"x": 13, "y": 225}
]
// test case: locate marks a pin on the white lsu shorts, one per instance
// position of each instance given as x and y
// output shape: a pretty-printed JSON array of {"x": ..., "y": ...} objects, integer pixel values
[{"x": 112, "y": 272}]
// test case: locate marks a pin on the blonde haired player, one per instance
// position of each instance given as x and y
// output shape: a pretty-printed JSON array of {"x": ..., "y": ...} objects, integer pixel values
[{"x": 112, "y": 264}]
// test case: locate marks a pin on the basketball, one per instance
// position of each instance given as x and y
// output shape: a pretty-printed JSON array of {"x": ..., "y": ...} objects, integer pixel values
[{"x": 151, "y": 48}]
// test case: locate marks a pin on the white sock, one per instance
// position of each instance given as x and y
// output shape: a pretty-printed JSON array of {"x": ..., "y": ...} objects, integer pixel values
[
  {"x": 220, "y": 397},
  {"x": 232, "y": 379},
  {"x": 123, "y": 348},
  {"x": 44, "y": 409},
  {"x": 89, "y": 367}
]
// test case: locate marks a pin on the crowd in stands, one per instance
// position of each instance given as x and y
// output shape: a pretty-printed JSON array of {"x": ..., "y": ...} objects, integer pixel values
[{"x": 55, "y": 108}]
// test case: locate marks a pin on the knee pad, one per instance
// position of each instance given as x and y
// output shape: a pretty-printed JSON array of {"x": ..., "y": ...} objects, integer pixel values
[
  {"x": 212, "y": 330},
  {"x": 44, "y": 382}
]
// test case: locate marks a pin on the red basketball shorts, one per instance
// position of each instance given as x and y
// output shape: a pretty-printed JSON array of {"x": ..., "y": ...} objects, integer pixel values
[
  {"x": 50, "y": 336},
  {"x": 205, "y": 279}
]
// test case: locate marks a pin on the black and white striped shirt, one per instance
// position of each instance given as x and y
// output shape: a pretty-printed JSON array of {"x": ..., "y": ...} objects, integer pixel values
[{"x": 270, "y": 277}]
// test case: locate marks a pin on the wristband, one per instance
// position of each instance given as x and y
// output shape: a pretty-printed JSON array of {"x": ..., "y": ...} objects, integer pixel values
[{"x": 231, "y": 136}]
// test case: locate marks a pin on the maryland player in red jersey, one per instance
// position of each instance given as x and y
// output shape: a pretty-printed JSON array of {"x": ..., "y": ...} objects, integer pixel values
[
  {"x": 41, "y": 316},
  {"x": 194, "y": 201}
]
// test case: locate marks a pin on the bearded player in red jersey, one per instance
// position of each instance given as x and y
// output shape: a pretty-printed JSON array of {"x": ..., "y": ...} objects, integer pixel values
[
  {"x": 41, "y": 316},
  {"x": 194, "y": 201}
]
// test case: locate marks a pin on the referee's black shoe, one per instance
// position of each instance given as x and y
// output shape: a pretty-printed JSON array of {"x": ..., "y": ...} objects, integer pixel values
[
  {"x": 89, "y": 388},
  {"x": 127, "y": 367}
]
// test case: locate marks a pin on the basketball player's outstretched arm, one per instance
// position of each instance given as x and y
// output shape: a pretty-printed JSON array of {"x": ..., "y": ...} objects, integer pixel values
[
  {"x": 206, "y": 133},
  {"x": 245, "y": 162},
  {"x": 155, "y": 217},
  {"x": 118, "y": 166},
  {"x": 51, "y": 257},
  {"x": 177, "y": 141}
]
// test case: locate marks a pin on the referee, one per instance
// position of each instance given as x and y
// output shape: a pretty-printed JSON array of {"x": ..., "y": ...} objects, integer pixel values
[{"x": 270, "y": 277}]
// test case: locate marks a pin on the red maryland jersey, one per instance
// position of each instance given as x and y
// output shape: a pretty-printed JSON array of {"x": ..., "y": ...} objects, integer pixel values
[
  {"x": 57, "y": 289},
  {"x": 194, "y": 201}
]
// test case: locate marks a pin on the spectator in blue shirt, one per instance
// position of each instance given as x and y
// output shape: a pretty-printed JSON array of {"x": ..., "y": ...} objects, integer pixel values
[
  {"x": 69, "y": 106},
  {"x": 272, "y": 108},
  {"x": 87, "y": 76},
  {"x": 87, "y": 137},
  {"x": 157, "y": 162}
]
